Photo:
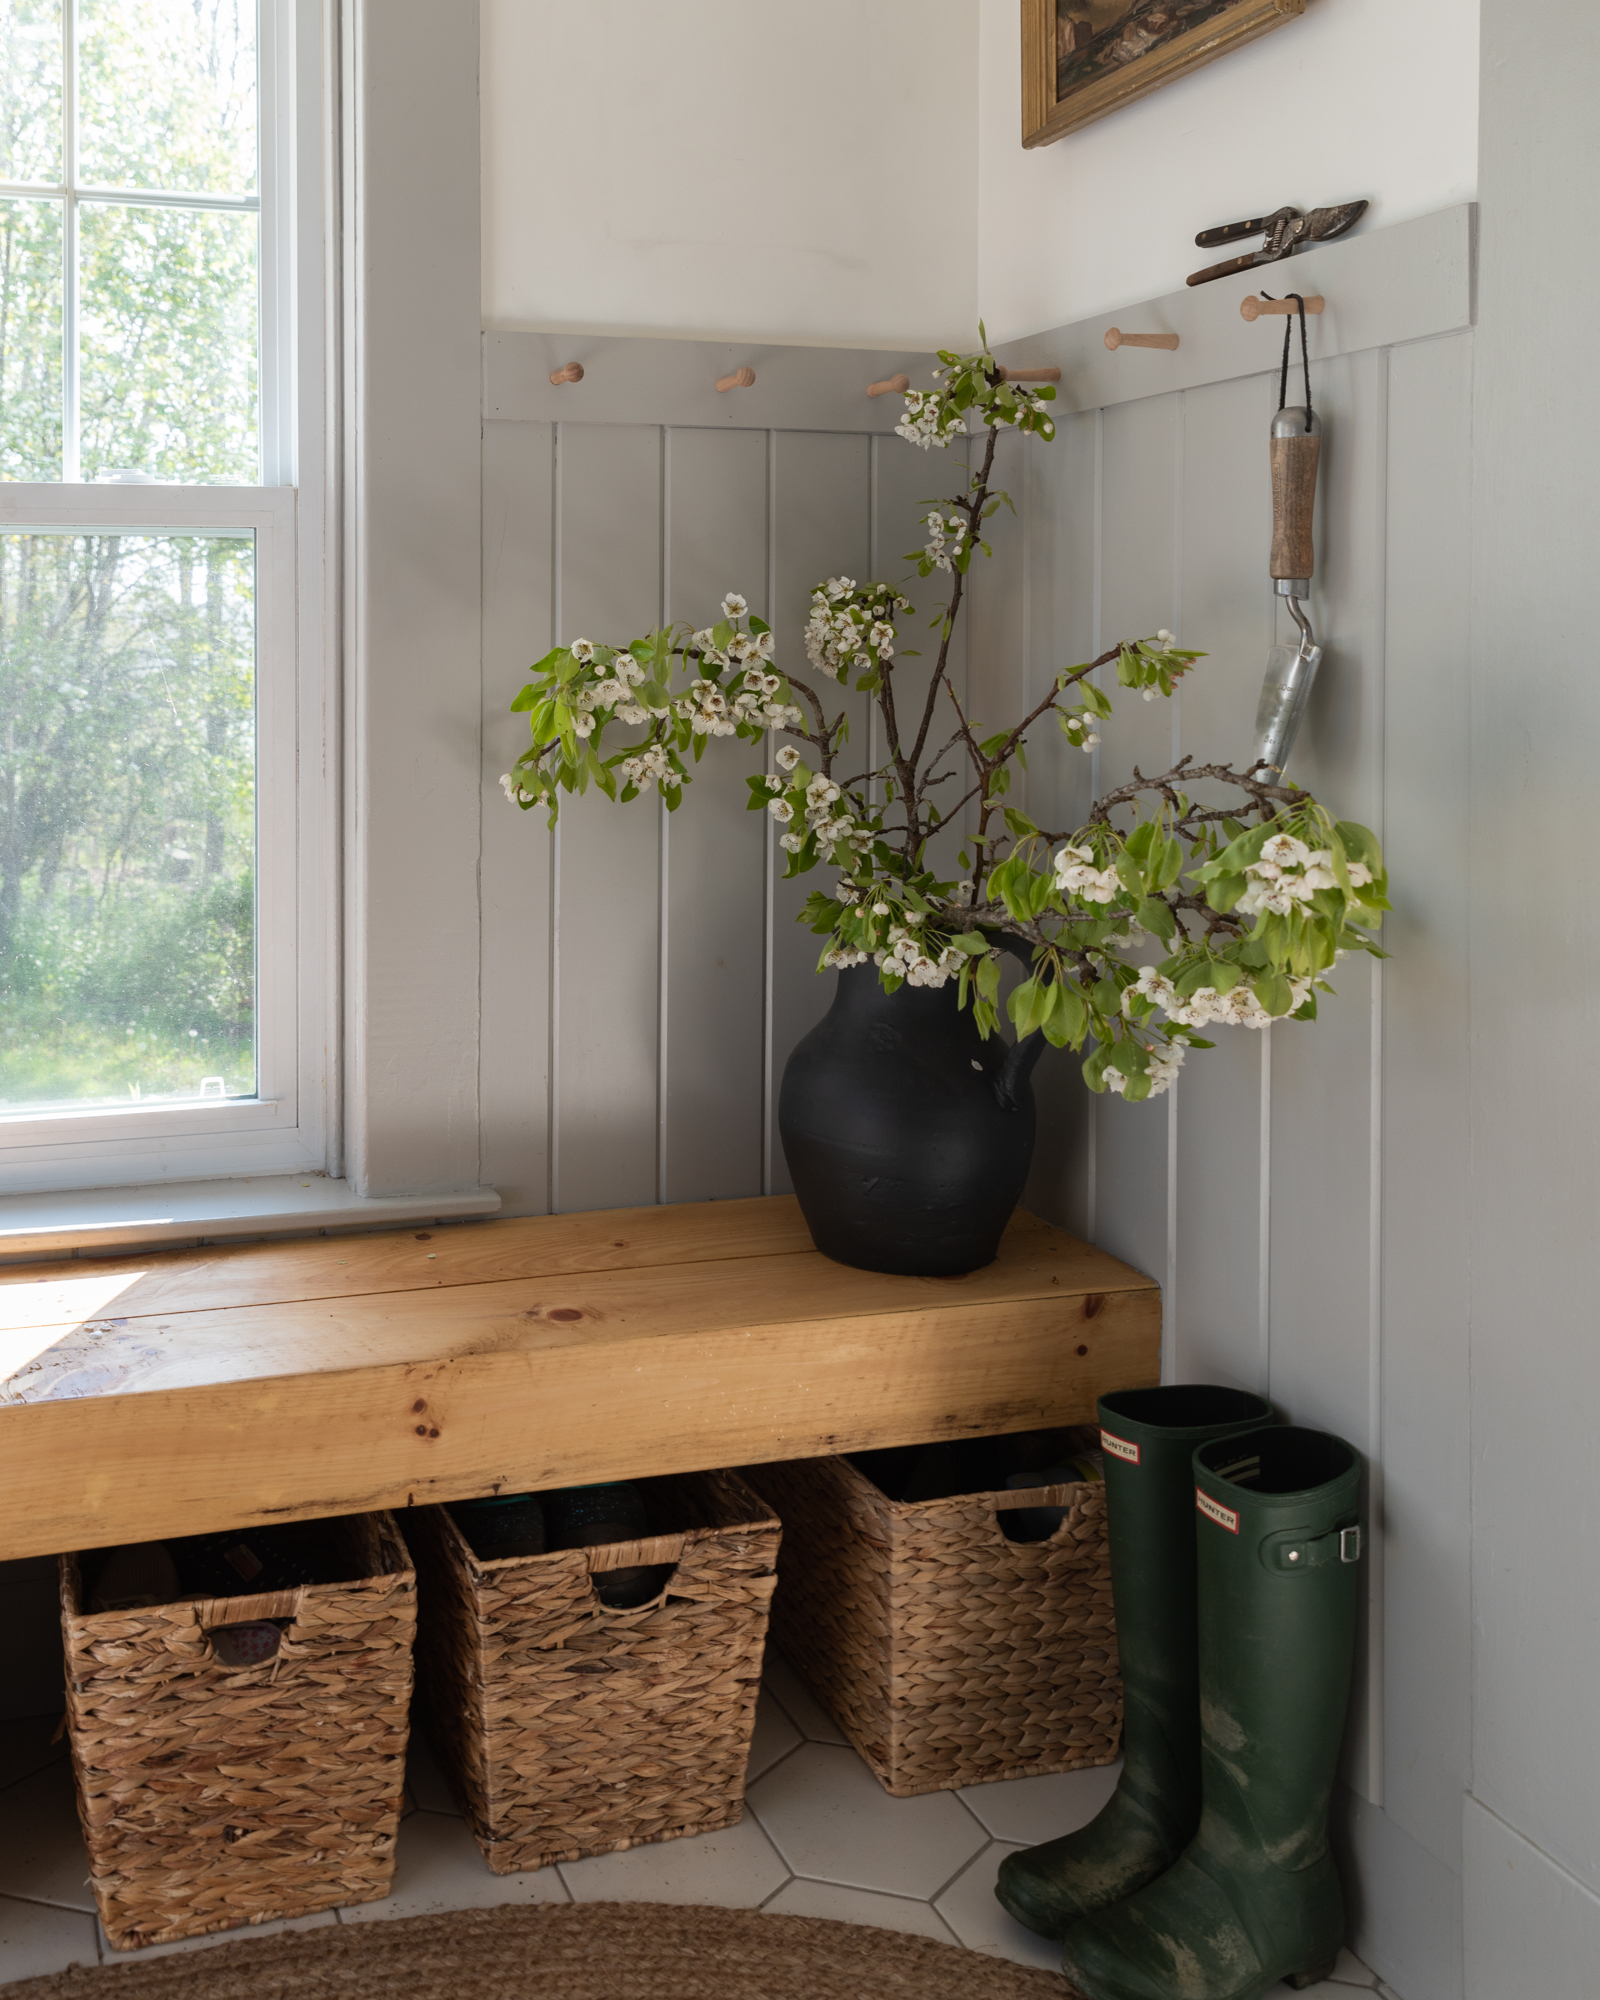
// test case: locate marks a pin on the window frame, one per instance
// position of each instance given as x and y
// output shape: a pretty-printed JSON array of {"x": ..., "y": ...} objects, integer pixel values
[{"x": 292, "y": 1124}]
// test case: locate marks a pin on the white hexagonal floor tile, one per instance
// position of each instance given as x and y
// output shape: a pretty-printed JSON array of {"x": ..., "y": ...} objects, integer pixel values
[
  {"x": 42, "y": 1855},
  {"x": 736, "y": 1868},
  {"x": 801, "y": 1706},
  {"x": 438, "y": 1866},
  {"x": 774, "y": 1736},
  {"x": 1031, "y": 1810},
  {"x": 860, "y": 1906},
  {"x": 36, "y": 1939},
  {"x": 968, "y": 1906},
  {"x": 831, "y": 1820}
]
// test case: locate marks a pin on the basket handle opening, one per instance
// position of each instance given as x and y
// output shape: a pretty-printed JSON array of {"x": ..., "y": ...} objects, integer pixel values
[
  {"x": 1043, "y": 1514},
  {"x": 251, "y": 1642}
]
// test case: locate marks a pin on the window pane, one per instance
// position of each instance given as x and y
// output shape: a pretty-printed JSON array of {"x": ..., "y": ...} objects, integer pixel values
[
  {"x": 30, "y": 91},
  {"x": 30, "y": 339},
  {"x": 167, "y": 94},
  {"x": 127, "y": 818},
  {"x": 167, "y": 348}
]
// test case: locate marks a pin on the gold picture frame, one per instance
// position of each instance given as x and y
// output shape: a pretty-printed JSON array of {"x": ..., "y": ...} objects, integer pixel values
[{"x": 1110, "y": 81}]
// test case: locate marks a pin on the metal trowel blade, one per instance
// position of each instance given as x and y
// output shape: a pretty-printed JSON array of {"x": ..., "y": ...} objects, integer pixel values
[{"x": 1284, "y": 693}]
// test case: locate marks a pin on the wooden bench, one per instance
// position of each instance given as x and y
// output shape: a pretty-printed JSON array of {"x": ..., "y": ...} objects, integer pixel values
[{"x": 197, "y": 1389}]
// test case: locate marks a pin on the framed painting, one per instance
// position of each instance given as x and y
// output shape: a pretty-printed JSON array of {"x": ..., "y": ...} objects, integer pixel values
[{"x": 1083, "y": 58}]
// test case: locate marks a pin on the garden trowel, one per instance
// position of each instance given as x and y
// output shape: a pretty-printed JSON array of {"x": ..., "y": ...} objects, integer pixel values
[{"x": 1296, "y": 448}]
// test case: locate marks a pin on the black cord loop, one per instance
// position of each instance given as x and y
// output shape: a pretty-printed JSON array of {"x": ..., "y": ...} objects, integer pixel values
[{"x": 1305, "y": 356}]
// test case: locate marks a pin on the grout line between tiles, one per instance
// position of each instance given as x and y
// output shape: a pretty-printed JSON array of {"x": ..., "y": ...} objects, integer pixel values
[{"x": 44, "y": 1903}]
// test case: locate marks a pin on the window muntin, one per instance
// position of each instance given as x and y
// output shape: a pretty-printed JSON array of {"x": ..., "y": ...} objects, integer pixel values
[
  {"x": 130, "y": 139},
  {"x": 127, "y": 853}
]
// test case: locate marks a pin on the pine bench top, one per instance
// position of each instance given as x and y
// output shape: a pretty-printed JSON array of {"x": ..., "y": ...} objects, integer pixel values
[{"x": 212, "y": 1388}]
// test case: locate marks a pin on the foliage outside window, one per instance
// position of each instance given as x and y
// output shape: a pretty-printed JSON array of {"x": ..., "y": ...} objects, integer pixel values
[{"x": 129, "y": 354}]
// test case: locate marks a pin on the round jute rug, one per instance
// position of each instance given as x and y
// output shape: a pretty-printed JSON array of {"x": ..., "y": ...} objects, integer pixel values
[{"x": 571, "y": 1951}]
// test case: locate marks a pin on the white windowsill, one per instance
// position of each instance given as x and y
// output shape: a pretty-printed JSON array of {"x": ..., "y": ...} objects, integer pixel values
[{"x": 90, "y": 1220}]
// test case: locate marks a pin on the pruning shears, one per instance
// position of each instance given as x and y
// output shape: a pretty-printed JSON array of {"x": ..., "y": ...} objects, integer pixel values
[{"x": 1282, "y": 233}]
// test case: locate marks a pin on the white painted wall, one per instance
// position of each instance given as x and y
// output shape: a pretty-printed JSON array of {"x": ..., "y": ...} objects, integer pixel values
[
  {"x": 752, "y": 168},
  {"x": 1355, "y": 98}
]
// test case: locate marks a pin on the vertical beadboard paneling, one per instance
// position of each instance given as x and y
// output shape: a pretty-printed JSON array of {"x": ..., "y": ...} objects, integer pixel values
[
  {"x": 607, "y": 969},
  {"x": 997, "y": 672},
  {"x": 822, "y": 527},
  {"x": 1137, "y": 590},
  {"x": 1324, "y": 1363},
  {"x": 714, "y": 974},
  {"x": 1426, "y": 1153},
  {"x": 1321, "y": 1073},
  {"x": 1226, "y": 595},
  {"x": 515, "y": 999},
  {"x": 906, "y": 483},
  {"x": 1061, "y": 493}
]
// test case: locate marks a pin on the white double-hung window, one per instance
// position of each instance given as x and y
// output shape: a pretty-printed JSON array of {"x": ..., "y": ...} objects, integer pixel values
[{"x": 163, "y": 911}]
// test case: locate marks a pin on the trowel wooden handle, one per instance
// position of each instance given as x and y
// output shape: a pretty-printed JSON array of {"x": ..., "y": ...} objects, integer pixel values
[{"x": 1294, "y": 497}]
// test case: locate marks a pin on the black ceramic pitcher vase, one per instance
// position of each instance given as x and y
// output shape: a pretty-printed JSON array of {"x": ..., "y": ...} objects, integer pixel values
[{"x": 908, "y": 1136}]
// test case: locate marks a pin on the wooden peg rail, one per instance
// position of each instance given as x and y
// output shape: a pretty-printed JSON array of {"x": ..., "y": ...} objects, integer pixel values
[
  {"x": 1116, "y": 338},
  {"x": 1254, "y": 308},
  {"x": 896, "y": 385},
  {"x": 1030, "y": 374},
  {"x": 741, "y": 378},
  {"x": 573, "y": 372}
]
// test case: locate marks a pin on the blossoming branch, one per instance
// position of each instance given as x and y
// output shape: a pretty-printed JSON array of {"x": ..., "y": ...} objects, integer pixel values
[{"x": 1252, "y": 902}]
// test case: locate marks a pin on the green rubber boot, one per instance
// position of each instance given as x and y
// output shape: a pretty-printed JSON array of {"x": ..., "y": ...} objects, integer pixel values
[
  {"x": 1255, "y": 1897},
  {"x": 1149, "y": 1437}
]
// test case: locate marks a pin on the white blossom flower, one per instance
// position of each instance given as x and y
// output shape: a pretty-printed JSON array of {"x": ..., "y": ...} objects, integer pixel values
[
  {"x": 582, "y": 650},
  {"x": 781, "y": 810},
  {"x": 792, "y": 842},
  {"x": 1360, "y": 874},
  {"x": 582, "y": 724},
  {"x": 1206, "y": 1007},
  {"x": 1167, "y": 638},
  {"x": 839, "y": 955},
  {"x": 513, "y": 791},
  {"x": 650, "y": 763},
  {"x": 906, "y": 959},
  {"x": 734, "y": 606},
  {"x": 774, "y": 784},
  {"x": 927, "y": 421},
  {"x": 787, "y": 757},
  {"x": 1076, "y": 875},
  {"x": 961, "y": 895},
  {"x": 820, "y": 794}
]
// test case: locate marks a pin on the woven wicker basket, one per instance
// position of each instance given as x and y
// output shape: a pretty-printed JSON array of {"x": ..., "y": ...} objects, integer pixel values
[
  {"x": 570, "y": 1728},
  {"x": 211, "y": 1796},
  {"x": 946, "y": 1653}
]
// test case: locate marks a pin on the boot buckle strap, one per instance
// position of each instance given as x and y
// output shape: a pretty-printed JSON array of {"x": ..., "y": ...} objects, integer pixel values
[{"x": 1288, "y": 1553}]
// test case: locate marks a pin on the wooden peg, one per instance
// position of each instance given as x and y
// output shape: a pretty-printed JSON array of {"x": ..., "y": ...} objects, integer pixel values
[
  {"x": 1116, "y": 338},
  {"x": 1253, "y": 308},
  {"x": 1030, "y": 374},
  {"x": 573, "y": 372},
  {"x": 741, "y": 378},
  {"x": 896, "y": 385}
]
